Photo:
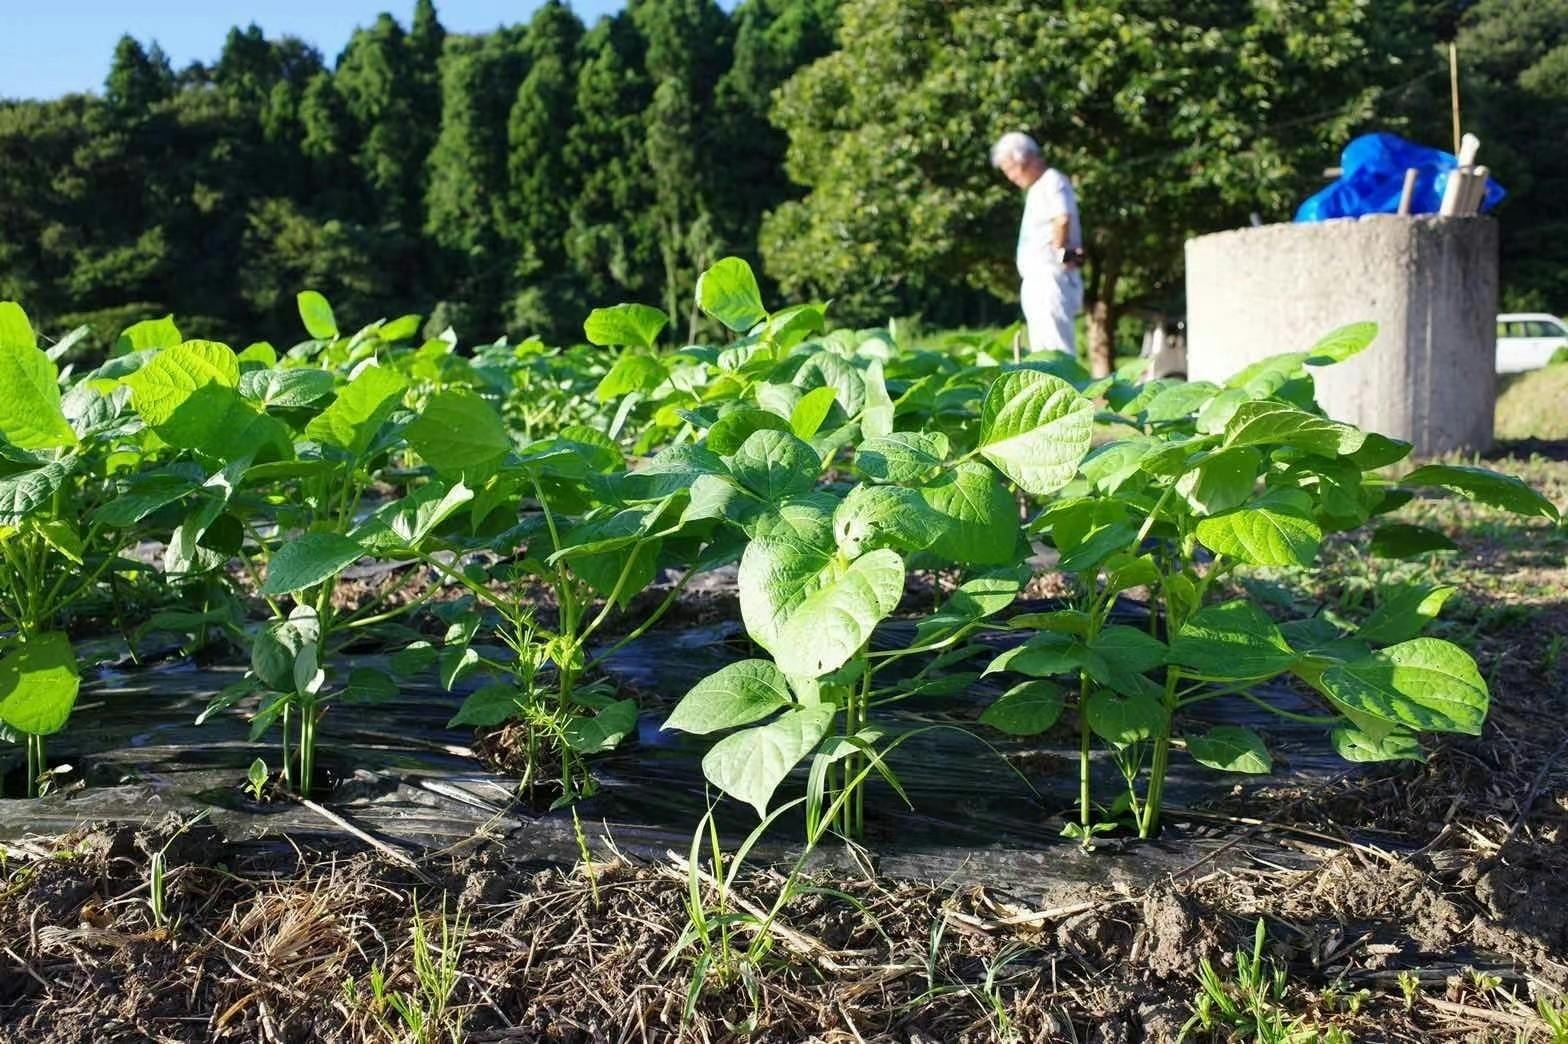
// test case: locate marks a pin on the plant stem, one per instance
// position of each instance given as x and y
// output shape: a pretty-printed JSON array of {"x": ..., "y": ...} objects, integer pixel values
[
  {"x": 1084, "y": 740},
  {"x": 36, "y": 765},
  {"x": 1150, "y": 821}
]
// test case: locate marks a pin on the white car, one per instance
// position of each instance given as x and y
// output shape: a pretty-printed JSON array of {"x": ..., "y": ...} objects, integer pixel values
[{"x": 1527, "y": 340}]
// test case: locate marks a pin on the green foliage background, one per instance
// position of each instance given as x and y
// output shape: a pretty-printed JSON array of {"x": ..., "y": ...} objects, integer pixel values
[{"x": 509, "y": 181}]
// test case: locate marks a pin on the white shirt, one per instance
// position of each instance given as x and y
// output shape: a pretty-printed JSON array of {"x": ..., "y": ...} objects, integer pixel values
[{"x": 1047, "y": 199}]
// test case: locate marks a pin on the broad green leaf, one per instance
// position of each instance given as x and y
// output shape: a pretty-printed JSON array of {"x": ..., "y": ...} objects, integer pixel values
[
  {"x": 261, "y": 353},
  {"x": 775, "y": 465},
  {"x": 1231, "y": 748},
  {"x": 1489, "y": 487},
  {"x": 1044, "y": 654},
  {"x": 1425, "y": 684},
  {"x": 736, "y": 695},
  {"x": 749, "y": 765},
  {"x": 286, "y": 388},
  {"x": 30, "y": 413},
  {"x": 399, "y": 329},
  {"x": 1178, "y": 401},
  {"x": 1088, "y": 532},
  {"x": 316, "y": 314},
  {"x": 1403, "y": 540},
  {"x": 1277, "y": 529},
  {"x": 789, "y": 326},
  {"x": 488, "y": 705},
  {"x": 1379, "y": 451},
  {"x": 1265, "y": 377},
  {"x": 632, "y": 372},
  {"x": 982, "y": 519},
  {"x": 1341, "y": 344},
  {"x": 901, "y": 456},
  {"x": 1027, "y": 709},
  {"x": 147, "y": 494},
  {"x": 628, "y": 325},
  {"x": 61, "y": 535},
  {"x": 714, "y": 496},
  {"x": 362, "y": 405},
  {"x": 458, "y": 433},
  {"x": 728, "y": 292},
  {"x": 1270, "y": 423},
  {"x": 414, "y": 658},
  {"x": 1403, "y": 612},
  {"x": 805, "y": 420},
  {"x": 1232, "y": 640},
  {"x": 1221, "y": 481},
  {"x": 1218, "y": 411},
  {"x": 602, "y": 731},
  {"x": 1036, "y": 429},
  {"x": 403, "y": 525},
  {"x": 1110, "y": 465},
  {"x": 885, "y": 516},
  {"x": 1122, "y": 719},
  {"x": 1130, "y": 649},
  {"x": 16, "y": 330},
  {"x": 732, "y": 430},
  {"x": 366, "y": 685},
  {"x": 781, "y": 567},
  {"x": 602, "y": 550},
  {"x": 827, "y": 370},
  {"x": 148, "y": 334},
  {"x": 188, "y": 395},
  {"x": 876, "y": 416},
  {"x": 670, "y": 471},
  {"x": 1354, "y": 745},
  {"x": 38, "y": 684},
  {"x": 308, "y": 560},
  {"x": 174, "y": 375},
  {"x": 835, "y": 621},
  {"x": 455, "y": 664}
]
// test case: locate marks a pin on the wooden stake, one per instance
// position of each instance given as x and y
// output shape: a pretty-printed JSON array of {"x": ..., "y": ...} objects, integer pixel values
[
  {"x": 1409, "y": 191},
  {"x": 1453, "y": 89}
]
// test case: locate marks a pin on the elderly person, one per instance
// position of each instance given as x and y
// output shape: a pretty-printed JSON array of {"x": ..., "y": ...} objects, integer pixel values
[{"x": 1050, "y": 243}]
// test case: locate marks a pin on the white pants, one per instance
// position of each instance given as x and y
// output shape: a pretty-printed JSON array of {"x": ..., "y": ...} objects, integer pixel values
[{"x": 1051, "y": 302}]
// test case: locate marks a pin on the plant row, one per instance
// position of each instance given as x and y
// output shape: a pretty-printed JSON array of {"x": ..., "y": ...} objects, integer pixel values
[{"x": 527, "y": 496}]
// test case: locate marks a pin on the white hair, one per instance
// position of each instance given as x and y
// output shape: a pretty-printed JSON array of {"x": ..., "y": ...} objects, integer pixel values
[{"x": 1015, "y": 147}]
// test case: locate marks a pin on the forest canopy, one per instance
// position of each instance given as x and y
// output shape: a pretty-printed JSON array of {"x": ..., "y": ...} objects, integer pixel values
[{"x": 505, "y": 182}]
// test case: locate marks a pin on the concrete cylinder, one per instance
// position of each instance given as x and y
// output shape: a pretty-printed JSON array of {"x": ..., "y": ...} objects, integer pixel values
[{"x": 1430, "y": 283}]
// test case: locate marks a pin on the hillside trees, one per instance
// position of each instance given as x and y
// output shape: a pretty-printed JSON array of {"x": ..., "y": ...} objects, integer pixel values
[{"x": 510, "y": 181}]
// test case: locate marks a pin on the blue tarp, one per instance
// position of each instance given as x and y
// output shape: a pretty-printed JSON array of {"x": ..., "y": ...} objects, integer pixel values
[{"x": 1373, "y": 176}]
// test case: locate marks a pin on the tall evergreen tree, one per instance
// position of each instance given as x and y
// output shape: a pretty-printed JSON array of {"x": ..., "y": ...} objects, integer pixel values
[
  {"x": 542, "y": 184},
  {"x": 687, "y": 50},
  {"x": 465, "y": 200},
  {"x": 611, "y": 243},
  {"x": 375, "y": 79},
  {"x": 138, "y": 79},
  {"x": 773, "y": 40}
]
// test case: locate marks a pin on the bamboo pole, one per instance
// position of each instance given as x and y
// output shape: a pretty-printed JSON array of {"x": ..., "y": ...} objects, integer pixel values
[{"x": 1453, "y": 89}]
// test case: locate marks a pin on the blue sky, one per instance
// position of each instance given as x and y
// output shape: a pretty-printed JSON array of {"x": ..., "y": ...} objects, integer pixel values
[{"x": 52, "y": 47}]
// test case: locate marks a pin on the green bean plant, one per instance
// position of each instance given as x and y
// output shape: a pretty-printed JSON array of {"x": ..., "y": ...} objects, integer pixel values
[
  {"x": 61, "y": 529},
  {"x": 274, "y": 461},
  {"x": 823, "y": 565},
  {"x": 1203, "y": 480},
  {"x": 559, "y": 516}
]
